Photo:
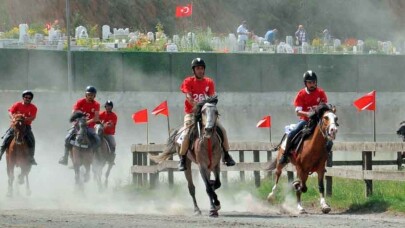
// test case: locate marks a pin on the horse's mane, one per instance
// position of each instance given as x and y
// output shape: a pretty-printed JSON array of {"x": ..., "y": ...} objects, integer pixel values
[
  {"x": 18, "y": 116},
  {"x": 319, "y": 111},
  {"x": 75, "y": 116}
]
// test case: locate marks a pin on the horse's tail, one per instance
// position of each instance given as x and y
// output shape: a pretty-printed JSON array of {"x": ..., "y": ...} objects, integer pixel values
[
  {"x": 168, "y": 151},
  {"x": 271, "y": 165}
]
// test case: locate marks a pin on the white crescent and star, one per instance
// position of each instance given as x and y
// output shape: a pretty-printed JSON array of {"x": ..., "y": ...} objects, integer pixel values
[{"x": 185, "y": 9}]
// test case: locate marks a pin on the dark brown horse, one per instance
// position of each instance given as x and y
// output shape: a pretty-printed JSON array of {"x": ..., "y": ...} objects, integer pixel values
[
  {"x": 102, "y": 155},
  {"x": 206, "y": 152},
  {"x": 310, "y": 157},
  {"x": 81, "y": 152},
  {"x": 18, "y": 154}
]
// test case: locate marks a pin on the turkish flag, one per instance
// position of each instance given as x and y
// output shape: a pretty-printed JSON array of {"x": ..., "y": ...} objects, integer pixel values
[
  {"x": 265, "y": 122},
  {"x": 140, "y": 116},
  {"x": 366, "y": 102},
  {"x": 161, "y": 109},
  {"x": 184, "y": 11}
]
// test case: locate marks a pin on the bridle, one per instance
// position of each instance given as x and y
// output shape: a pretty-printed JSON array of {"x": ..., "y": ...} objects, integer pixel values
[{"x": 324, "y": 129}]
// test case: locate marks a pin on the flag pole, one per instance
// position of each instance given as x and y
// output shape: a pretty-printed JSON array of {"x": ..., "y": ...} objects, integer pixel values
[
  {"x": 374, "y": 129},
  {"x": 168, "y": 125},
  {"x": 270, "y": 129},
  {"x": 147, "y": 133}
]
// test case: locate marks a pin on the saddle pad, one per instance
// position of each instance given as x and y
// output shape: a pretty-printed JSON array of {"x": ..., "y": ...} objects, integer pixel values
[
  {"x": 289, "y": 128},
  {"x": 74, "y": 143},
  {"x": 181, "y": 138}
]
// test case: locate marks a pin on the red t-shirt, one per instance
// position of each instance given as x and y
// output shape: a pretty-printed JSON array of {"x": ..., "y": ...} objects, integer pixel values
[
  {"x": 28, "y": 110},
  {"x": 198, "y": 88},
  {"x": 105, "y": 118},
  {"x": 88, "y": 108},
  {"x": 309, "y": 100}
]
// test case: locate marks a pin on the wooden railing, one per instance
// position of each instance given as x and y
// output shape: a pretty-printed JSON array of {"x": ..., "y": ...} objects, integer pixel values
[{"x": 144, "y": 170}]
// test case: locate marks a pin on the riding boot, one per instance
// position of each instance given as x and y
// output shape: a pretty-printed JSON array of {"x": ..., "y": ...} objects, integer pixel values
[
  {"x": 112, "y": 159},
  {"x": 64, "y": 160},
  {"x": 227, "y": 159},
  {"x": 32, "y": 153},
  {"x": 284, "y": 158},
  {"x": 182, "y": 163},
  {"x": 2, "y": 150}
]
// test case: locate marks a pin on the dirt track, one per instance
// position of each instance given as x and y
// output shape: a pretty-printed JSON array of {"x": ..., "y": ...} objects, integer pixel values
[{"x": 58, "y": 218}]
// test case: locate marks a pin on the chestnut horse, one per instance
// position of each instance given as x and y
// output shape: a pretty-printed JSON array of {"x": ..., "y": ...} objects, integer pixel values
[
  {"x": 206, "y": 152},
  {"x": 18, "y": 154},
  {"x": 310, "y": 157},
  {"x": 101, "y": 156},
  {"x": 81, "y": 152}
]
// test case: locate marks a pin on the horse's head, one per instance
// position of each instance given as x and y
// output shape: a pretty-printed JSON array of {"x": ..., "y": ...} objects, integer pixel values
[
  {"x": 81, "y": 135},
  {"x": 328, "y": 123},
  {"x": 401, "y": 130},
  {"x": 99, "y": 128},
  {"x": 209, "y": 116},
  {"x": 19, "y": 127}
]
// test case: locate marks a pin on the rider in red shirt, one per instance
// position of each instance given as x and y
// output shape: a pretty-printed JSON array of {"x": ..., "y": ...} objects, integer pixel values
[
  {"x": 109, "y": 119},
  {"x": 197, "y": 88},
  {"x": 29, "y": 110},
  {"x": 305, "y": 100},
  {"x": 89, "y": 106}
]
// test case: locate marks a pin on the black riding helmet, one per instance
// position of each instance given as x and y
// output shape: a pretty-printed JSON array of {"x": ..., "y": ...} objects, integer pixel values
[
  {"x": 310, "y": 76},
  {"x": 27, "y": 92},
  {"x": 109, "y": 103},
  {"x": 197, "y": 62},
  {"x": 91, "y": 89}
]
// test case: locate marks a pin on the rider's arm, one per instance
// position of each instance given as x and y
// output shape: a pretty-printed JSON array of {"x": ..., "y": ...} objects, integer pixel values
[
  {"x": 299, "y": 112},
  {"x": 95, "y": 119},
  {"x": 190, "y": 99}
]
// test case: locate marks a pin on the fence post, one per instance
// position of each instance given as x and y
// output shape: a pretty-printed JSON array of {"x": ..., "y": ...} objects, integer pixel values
[
  {"x": 153, "y": 177},
  {"x": 399, "y": 160},
  {"x": 329, "y": 180},
  {"x": 269, "y": 156},
  {"x": 256, "y": 174},
  {"x": 241, "y": 160},
  {"x": 134, "y": 162},
  {"x": 170, "y": 175},
  {"x": 139, "y": 175},
  {"x": 368, "y": 165}
]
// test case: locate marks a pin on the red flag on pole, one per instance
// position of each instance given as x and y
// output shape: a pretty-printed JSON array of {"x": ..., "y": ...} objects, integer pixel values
[
  {"x": 140, "y": 116},
  {"x": 184, "y": 11},
  {"x": 265, "y": 122},
  {"x": 366, "y": 102},
  {"x": 161, "y": 109}
]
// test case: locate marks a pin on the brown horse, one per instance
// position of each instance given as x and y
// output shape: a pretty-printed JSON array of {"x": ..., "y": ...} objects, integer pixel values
[
  {"x": 102, "y": 155},
  {"x": 18, "y": 154},
  {"x": 310, "y": 157},
  {"x": 81, "y": 152},
  {"x": 206, "y": 152}
]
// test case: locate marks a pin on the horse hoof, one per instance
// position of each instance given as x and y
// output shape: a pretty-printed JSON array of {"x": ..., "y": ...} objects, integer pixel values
[
  {"x": 271, "y": 197},
  {"x": 197, "y": 212},
  {"x": 218, "y": 207},
  {"x": 302, "y": 211},
  {"x": 326, "y": 210},
  {"x": 214, "y": 214}
]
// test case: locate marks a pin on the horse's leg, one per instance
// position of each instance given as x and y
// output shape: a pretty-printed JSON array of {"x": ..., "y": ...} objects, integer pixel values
[
  {"x": 27, "y": 186},
  {"x": 87, "y": 174},
  {"x": 191, "y": 187},
  {"x": 272, "y": 195},
  {"x": 300, "y": 187},
  {"x": 10, "y": 172},
  {"x": 107, "y": 174},
  {"x": 216, "y": 185},
  {"x": 77, "y": 174},
  {"x": 205, "y": 174},
  {"x": 324, "y": 206}
]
